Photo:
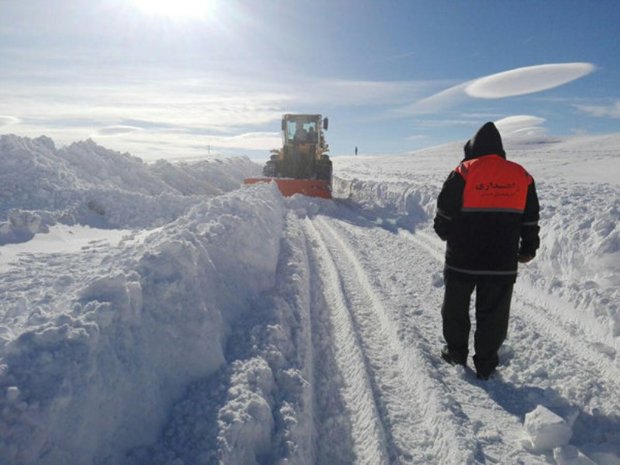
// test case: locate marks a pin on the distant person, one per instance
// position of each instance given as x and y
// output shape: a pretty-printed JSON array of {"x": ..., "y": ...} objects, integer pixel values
[
  {"x": 356, "y": 150},
  {"x": 487, "y": 211}
]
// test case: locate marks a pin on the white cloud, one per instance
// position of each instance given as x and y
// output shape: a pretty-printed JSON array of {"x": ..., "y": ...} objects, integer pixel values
[
  {"x": 439, "y": 101},
  {"x": 519, "y": 81},
  {"x": 602, "y": 111},
  {"x": 5, "y": 120},
  {"x": 112, "y": 131},
  {"x": 527, "y": 80},
  {"x": 466, "y": 119},
  {"x": 180, "y": 113},
  {"x": 523, "y": 129},
  {"x": 210, "y": 104},
  {"x": 174, "y": 145},
  {"x": 520, "y": 124},
  {"x": 249, "y": 141}
]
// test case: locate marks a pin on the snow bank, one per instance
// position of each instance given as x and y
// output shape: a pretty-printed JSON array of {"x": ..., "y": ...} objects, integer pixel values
[
  {"x": 394, "y": 204},
  {"x": 259, "y": 407},
  {"x": 22, "y": 226},
  {"x": 247, "y": 413},
  {"x": 579, "y": 258},
  {"x": 87, "y": 184},
  {"x": 98, "y": 371}
]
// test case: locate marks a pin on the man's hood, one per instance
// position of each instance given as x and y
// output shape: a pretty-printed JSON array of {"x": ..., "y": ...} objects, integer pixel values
[{"x": 487, "y": 141}]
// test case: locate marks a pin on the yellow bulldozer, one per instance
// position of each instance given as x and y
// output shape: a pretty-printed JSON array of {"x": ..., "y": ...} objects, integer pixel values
[{"x": 302, "y": 165}]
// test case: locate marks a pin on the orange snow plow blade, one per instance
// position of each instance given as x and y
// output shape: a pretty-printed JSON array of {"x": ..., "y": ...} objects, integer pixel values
[{"x": 288, "y": 187}]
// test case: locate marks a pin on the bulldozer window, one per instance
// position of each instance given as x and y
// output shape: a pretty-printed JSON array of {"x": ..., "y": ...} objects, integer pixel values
[
  {"x": 291, "y": 129},
  {"x": 301, "y": 131}
]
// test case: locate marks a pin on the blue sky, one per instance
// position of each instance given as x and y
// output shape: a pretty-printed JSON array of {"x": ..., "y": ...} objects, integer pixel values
[{"x": 174, "y": 78}]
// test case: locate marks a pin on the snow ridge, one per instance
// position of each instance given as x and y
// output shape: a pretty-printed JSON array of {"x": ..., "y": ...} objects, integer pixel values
[
  {"x": 118, "y": 359},
  {"x": 87, "y": 184}
]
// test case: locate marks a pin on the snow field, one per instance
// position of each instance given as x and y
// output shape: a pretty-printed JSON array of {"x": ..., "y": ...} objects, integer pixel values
[{"x": 245, "y": 328}]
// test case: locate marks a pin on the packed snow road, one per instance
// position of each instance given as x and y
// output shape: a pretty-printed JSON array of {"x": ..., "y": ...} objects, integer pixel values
[{"x": 426, "y": 412}]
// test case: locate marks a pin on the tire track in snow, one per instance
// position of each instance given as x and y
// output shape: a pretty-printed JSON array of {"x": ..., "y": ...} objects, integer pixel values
[
  {"x": 494, "y": 434},
  {"x": 367, "y": 430},
  {"x": 418, "y": 422}
]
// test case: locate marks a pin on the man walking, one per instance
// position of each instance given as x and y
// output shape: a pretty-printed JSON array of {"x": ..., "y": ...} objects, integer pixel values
[{"x": 487, "y": 211}]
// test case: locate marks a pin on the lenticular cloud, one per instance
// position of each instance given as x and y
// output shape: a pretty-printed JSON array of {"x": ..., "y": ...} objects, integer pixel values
[
  {"x": 527, "y": 80},
  {"x": 116, "y": 130},
  {"x": 518, "y": 123}
]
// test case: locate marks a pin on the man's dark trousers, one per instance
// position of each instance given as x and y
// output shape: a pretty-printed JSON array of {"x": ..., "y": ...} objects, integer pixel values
[{"x": 493, "y": 296}]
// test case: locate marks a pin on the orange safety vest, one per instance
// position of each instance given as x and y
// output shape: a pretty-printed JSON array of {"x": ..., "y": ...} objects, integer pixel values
[{"x": 494, "y": 184}]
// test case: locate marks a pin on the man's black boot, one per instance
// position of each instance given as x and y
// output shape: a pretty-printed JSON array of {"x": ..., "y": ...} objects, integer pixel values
[{"x": 453, "y": 357}]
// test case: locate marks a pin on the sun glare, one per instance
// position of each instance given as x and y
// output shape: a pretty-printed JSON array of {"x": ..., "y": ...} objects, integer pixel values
[{"x": 177, "y": 9}]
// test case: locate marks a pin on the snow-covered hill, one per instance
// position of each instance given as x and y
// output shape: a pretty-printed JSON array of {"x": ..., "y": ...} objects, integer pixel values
[{"x": 162, "y": 314}]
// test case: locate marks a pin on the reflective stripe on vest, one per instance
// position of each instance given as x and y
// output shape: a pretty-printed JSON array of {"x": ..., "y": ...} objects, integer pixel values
[{"x": 493, "y": 184}]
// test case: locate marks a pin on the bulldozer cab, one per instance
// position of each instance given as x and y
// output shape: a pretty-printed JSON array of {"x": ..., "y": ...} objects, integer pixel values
[{"x": 303, "y": 129}]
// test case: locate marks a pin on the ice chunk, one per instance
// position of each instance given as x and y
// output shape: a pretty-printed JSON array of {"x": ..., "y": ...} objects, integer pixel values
[{"x": 546, "y": 429}]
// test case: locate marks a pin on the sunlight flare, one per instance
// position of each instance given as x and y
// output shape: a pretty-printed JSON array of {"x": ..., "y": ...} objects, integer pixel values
[{"x": 177, "y": 9}]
